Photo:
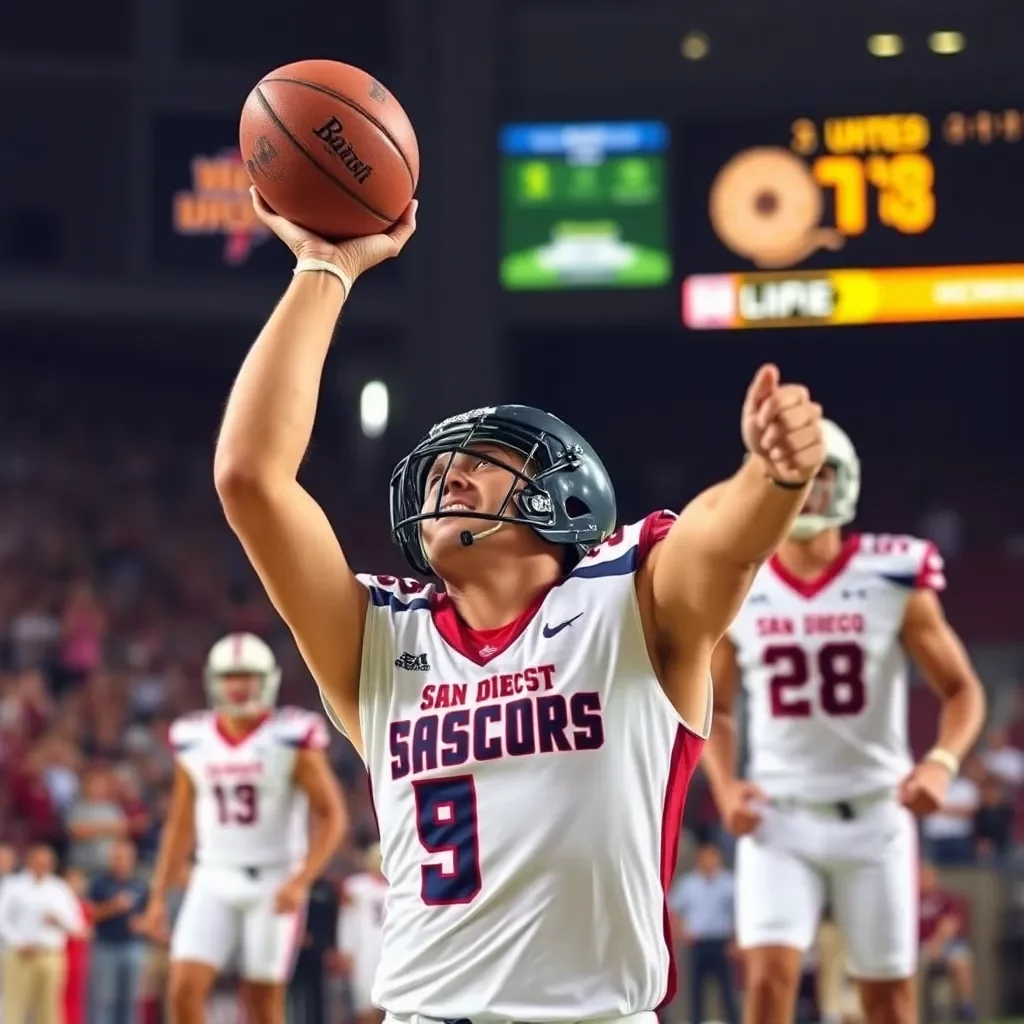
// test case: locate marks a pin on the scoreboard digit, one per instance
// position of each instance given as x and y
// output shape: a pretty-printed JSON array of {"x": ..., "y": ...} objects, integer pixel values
[{"x": 880, "y": 218}]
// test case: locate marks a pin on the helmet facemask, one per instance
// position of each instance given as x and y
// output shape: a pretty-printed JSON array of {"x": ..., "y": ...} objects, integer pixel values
[{"x": 527, "y": 502}]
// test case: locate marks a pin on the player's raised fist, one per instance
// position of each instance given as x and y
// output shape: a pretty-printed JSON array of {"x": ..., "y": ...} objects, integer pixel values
[{"x": 782, "y": 425}]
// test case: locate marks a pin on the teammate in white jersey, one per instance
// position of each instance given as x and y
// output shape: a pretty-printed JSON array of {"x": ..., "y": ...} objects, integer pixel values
[
  {"x": 530, "y": 729},
  {"x": 361, "y": 932},
  {"x": 245, "y": 774},
  {"x": 826, "y": 813}
]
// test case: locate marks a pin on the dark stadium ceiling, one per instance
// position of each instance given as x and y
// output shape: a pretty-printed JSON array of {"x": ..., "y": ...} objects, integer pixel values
[{"x": 761, "y": 53}]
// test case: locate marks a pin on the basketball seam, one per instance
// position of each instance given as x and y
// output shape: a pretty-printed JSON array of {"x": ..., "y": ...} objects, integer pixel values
[
  {"x": 382, "y": 128},
  {"x": 269, "y": 110}
]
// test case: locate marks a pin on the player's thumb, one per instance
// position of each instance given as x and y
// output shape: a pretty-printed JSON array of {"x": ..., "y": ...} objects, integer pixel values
[{"x": 765, "y": 381}]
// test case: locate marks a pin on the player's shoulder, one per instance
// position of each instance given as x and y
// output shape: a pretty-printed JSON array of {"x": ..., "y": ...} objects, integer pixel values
[
  {"x": 301, "y": 729},
  {"x": 190, "y": 730},
  {"x": 911, "y": 563},
  {"x": 399, "y": 593},
  {"x": 625, "y": 550}
]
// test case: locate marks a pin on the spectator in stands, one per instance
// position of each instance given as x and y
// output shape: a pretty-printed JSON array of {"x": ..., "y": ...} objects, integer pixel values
[
  {"x": 33, "y": 632},
  {"x": 76, "y": 983},
  {"x": 949, "y": 833},
  {"x": 993, "y": 822},
  {"x": 1001, "y": 758},
  {"x": 702, "y": 904},
  {"x": 95, "y": 823},
  {"x": 82, "y": 629},
  {"x": 8, "y": 860},
  {"x": 38, "y": 911},
  {"x": 119, "y": 950},
  {"x": 944, "y": 949}
]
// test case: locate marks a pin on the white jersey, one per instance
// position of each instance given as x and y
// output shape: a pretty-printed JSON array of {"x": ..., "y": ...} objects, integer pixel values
[
  {"x": 529, "y": 785},
  {"x": 361, "y": 921},
  {"x": 824, "y": 672},
  {"x": 248, "y": 811}
]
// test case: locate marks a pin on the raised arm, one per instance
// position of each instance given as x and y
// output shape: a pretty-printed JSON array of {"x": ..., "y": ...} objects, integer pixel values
[
  {"x": 263, "y": 440},
  {"x": 693, "y": 583}
]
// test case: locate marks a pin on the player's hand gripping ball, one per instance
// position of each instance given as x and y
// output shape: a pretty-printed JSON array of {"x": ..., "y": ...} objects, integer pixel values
[
  {"x": 782, "y": 425},
  {"x": 353, "y": 256}
]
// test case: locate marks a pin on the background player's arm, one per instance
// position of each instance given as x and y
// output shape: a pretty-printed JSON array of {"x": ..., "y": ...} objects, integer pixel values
[
  {"x": 720, "y": 751},
  {"x": 263, "y": 439},
  {"x": 327, "y": 811},
  {"x": 177, "y": 838},
  {"x": 937, "y": 651},
  {"x": 735, "y": 798}
]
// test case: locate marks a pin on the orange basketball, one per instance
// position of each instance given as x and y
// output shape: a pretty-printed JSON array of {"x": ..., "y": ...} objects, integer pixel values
[{"x": 328, "y": 147}]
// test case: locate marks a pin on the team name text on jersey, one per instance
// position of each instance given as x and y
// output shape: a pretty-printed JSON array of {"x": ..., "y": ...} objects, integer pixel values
[{"x": 536, "y": 723}]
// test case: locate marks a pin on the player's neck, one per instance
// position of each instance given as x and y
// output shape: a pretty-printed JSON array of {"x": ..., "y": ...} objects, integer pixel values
[
  {"x": 238, "y": 726},
  {"x": 808, "y": 559},
  {"x": 510, "y": 586}
]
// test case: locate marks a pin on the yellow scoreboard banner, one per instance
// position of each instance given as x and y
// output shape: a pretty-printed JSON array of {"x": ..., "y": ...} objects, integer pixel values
[{"x": 821, "y": 298}]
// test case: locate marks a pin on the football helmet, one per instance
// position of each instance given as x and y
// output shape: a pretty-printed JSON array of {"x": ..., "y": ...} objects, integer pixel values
[
  {"x": 242, "y": 654},
  {"x": 842, "y": 506},
  {"x": 563, "y": 493}
]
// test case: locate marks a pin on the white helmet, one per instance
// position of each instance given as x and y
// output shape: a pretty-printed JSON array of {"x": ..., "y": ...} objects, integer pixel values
[
  {"x": 842, "y": 456},
  {"x": 242, "y": 654}
]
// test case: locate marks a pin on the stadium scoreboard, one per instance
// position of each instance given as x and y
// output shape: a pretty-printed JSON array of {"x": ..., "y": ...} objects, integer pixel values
[
  {"x": 906, "y": 217},
  {"x": 584, "y": 206}
]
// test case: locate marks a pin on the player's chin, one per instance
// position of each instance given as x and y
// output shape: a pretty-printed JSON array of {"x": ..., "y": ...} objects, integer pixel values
[{"x": 445, "y": 533}]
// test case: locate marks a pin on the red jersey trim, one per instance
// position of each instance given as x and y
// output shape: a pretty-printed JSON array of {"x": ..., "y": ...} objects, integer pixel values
[
  {"x": 480, "y": 645},
  {"x": 686, "y": 752},
  {"x": 812, "y": 587},
  {"x": 483, "y": 645},
  {"x": 654, "y": 530},
  {"x": 930, "y": 575},
  {"x": 237, "y": 741}
]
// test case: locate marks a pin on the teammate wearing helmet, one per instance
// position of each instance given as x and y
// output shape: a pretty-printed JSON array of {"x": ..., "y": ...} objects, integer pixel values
[
  {"x": 248, "y": 778},
  {"x": 826, "y": 813},
  {"x": 531, "y": 719}
]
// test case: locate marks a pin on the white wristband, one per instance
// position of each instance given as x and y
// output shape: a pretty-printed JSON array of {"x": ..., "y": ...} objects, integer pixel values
[
  {"x": 328, "y": 268},
  {"x": 947, "y": 759}
]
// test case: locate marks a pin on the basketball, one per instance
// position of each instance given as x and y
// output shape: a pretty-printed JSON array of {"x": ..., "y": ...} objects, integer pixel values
[{"x": 329, "y": 148}]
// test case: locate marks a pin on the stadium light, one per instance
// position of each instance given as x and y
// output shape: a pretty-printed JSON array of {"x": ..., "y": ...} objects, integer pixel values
[{"x": 374, "y": 404}]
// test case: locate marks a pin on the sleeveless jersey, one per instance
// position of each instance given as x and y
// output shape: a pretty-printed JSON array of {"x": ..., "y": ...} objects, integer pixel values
[
  {"x": 824, "y": 673},
  {"x": 362, "y": 917},
  {"x": 529, "y": 784},
  {"x": 248, "y": 811}
]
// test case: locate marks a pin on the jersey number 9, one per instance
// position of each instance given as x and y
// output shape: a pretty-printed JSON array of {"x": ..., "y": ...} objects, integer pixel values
[{"x": 446, "y": 824}]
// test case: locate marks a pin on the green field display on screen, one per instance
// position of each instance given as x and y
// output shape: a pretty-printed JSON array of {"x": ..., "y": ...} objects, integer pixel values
[{"x": 583, "y": 206}]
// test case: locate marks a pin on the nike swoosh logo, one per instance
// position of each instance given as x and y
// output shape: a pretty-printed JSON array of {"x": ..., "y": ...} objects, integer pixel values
[{"x": 550, "y": 631}]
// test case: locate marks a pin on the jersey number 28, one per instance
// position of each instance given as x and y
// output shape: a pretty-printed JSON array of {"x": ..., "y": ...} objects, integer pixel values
[{"x": 839, "y": 667}]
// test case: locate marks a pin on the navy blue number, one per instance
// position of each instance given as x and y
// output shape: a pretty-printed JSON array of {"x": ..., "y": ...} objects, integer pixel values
[{"x": 446, "y": 824}]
